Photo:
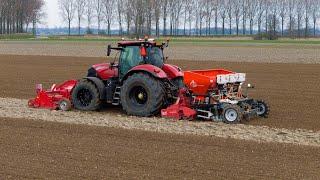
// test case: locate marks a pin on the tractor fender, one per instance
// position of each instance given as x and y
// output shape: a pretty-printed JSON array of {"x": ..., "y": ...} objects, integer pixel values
[
  {"x": 149, "y": 69},
  {"x": 99, "y": 84},
  {"x": 172, "y": 71}
]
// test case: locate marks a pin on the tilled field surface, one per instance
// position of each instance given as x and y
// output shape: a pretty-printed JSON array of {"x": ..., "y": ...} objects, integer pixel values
[
  {"x": 47, "y": 150},
  {"x": 16, "y": 108},
  {"x": 231, "y": 52},
  {"x": 291, "y": 89},
  {"x": 62, "y": 145}
]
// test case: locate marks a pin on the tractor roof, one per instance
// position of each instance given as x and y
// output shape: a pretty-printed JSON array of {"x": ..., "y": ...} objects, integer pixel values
[{"x": 136, "y": 43}]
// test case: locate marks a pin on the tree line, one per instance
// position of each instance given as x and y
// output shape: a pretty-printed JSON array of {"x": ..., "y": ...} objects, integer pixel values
[
  {"x": 17, "y": 15},
  {"x": 195, "y": 17}
]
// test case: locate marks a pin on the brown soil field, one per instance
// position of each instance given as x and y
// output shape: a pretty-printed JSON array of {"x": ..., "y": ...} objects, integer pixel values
[
  {"x": 46, "y": 150},
  {"x": 291, "y": 89},
  {"x": 213, "y": 51}
]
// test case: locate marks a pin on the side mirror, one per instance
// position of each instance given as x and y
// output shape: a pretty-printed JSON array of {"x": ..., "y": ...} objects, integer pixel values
[
  {"x": 168, "y": 40},
  {"x": 166, "y": 59},
  {"x": 109, "y": 50}
]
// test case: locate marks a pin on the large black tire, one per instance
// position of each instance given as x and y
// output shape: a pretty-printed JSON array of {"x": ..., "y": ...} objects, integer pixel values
[
  {"x": 263, "y": 109},
  {"x": 86, "y": 97},
  {"x": 231, "y": 114},
  {"x": 142, "y": 95}
]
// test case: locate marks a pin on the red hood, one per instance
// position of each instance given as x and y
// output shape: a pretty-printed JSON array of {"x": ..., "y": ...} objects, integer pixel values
[{"x": 105, "y": 71}]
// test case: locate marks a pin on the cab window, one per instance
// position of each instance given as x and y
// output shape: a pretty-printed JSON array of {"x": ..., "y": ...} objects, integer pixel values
[
  {"x": 129, "y": 58},
  {"x": 155, "y": 56}
]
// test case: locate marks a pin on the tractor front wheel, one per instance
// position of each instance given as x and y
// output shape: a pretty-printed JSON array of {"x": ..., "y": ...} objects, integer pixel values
[
  {"x": 142, "y": 95},
  {"x": 85, "y": 96}
]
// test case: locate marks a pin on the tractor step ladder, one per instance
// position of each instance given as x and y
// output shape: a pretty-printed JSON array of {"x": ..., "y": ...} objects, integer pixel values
[{"x": 116, "y": 96}]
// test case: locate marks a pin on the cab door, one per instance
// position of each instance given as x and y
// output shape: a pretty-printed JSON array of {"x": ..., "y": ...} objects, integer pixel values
[{"x": 129, "y": 58}]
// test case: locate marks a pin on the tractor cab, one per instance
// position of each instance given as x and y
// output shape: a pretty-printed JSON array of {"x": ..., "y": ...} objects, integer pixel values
[{"x": 135, "y": 53}]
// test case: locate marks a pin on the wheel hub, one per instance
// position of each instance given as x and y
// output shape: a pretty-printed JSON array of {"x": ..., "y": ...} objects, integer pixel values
[
  {"x": 141, "y": 96},
  {"x": 231, "y": 115},
  {"x": 261, "y": 109},
  {"x": 138, "y": 95}
]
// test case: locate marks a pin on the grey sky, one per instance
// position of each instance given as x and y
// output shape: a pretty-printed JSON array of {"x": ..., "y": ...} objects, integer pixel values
[{"x": 52, "y": 11}]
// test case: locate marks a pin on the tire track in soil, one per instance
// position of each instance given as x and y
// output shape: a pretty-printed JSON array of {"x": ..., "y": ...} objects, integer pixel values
[{"x": 17, "y": 108}]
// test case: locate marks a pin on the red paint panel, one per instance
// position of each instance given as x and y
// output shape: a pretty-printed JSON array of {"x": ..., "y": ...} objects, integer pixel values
[{"x": 105, "y": 71}]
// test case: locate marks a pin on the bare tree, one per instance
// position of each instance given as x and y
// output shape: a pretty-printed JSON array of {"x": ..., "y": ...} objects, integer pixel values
[
  {"x": 215, "y": 5},
  {"x": 229, "y": 9},
  {"x": 261, "y": 10},
  {"x": 108, "y": 11},
  {"x": 128, "y": 14},
  {"x": 67, "y": 9},
  {"x": 15, "y": 16},
  {"x": 283, "y": 12},
  {"x": 194, "y": 17},
  {"x": 315, "y": 10},
  {"x": 156, "y": 5},
  {"x": 89, "y": 14},
  {"x": 80, "y": 8},
  {"x": 245, "y": 11},
  {"x": 171, "y": 6},
  {"x": 266, "y": 10},
  {"x": 33, "y": 13},
  {"x": 120, "y": 10},
  {"x": 201, "y": 14},
  {"x": 299, "y": 13},
  {"x": 185, "y": 15},
  {"x": 274, "y": 9},
  {"x": 177, "y": 14},
  {"x": 164, "y": 8},
  {"x": 237, "y": 12},
  {"x": 98, "y": 7},
  {"x": 223, "y": 13},
  {"x": 307, "y": 9},
  {"x": 190, "y": 12},
  {"x": 291, "y": 11},
  {"x": 252, "y": 11},
  {"x": 209, "y": 8}
]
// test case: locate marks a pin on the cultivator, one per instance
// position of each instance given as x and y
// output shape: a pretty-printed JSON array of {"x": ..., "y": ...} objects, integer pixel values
[
  {"x": 58, "y": 97},
  {"x": 135, "y": 83}
]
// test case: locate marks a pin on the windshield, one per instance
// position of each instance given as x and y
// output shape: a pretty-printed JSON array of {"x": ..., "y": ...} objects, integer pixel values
[
  {"x": 129, "y": 58},
  {"x": 155, "y": 56}
]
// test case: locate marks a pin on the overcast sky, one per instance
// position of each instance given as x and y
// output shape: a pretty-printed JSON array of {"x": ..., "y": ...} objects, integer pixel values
[{"x": 53, "y": 17}]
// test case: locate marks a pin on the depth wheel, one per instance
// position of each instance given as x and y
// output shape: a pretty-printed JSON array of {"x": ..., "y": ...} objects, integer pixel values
[
  {"x": 231, "y": 114},
  {"x": 263, "y": 109},
  {"x": 64, "y": 105}
]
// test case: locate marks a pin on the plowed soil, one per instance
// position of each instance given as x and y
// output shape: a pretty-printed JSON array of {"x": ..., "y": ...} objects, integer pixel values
[
  {"x": 44, "y": 150},
  {"x": 32, "y": 149},
  {"x": 291, "y": 89},
  {"x": 212, "y": 51}
]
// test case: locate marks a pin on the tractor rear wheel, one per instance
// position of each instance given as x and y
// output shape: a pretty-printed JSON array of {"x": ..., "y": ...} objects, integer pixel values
[
  {"x": 231, "y": 114},
  {"x": 142, "y": 95},
  {"x": 85, "y": 96}
]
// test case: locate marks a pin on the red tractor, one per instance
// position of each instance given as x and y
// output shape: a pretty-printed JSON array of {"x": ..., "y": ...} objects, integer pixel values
[
  {"x": 140, "y": 81},
  {"x": 144, "y": 85}
]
